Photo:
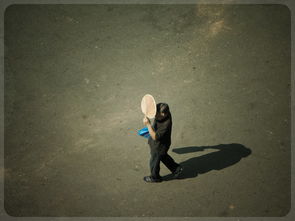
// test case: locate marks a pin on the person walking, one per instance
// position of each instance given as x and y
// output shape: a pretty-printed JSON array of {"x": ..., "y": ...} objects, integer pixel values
[{"x": 159, "y": 142}]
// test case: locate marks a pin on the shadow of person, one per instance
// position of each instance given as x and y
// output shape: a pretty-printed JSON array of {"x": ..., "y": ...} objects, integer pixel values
[{"x": 227, "y": 155}]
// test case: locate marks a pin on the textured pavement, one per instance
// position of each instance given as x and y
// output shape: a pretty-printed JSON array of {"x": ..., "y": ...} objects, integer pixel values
[{"x": 74, "y": 79}]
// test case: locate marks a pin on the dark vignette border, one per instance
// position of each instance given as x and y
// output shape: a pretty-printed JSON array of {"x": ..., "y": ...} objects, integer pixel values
[{"x": 4, "y": 4}]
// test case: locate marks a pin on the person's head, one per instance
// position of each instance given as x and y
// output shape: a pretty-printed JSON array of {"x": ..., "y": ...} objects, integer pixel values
[{"x": 162, "y": 111}]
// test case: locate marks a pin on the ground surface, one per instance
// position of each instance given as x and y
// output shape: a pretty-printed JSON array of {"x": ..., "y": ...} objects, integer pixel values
[{"x": 74, "y": 79}]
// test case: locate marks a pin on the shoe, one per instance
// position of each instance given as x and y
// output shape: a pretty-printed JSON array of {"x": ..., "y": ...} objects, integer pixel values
[
  {"x": 150, "y": 179},
  {"x": 178, "y": 171}
]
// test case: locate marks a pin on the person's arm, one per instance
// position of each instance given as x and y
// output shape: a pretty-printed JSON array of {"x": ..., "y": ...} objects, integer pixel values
[
  {"x": 147, "y": 123},
  {"x": 161, "y": 131},
  {"x": 151, "y": 131}
]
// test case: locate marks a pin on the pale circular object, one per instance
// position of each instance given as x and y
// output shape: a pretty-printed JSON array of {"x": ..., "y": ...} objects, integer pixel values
[{"x": 148, "y": 106}]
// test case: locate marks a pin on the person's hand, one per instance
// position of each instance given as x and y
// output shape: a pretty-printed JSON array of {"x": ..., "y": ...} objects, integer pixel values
[{"x": 146, "y": 121}]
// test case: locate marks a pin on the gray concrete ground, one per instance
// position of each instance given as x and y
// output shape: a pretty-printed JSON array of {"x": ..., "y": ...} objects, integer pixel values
[{"x": 74, "y": 79}]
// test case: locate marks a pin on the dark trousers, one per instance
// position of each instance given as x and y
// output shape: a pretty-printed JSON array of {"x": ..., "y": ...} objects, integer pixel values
[{"x": 156, "y": 158}]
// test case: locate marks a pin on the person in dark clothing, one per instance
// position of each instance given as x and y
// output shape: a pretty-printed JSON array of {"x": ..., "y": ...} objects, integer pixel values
[{"x": 159, "y": 142}]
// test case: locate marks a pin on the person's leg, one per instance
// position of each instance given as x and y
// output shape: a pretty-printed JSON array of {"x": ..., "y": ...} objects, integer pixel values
[
  {"x": 174, "y": 167},
  {"x": 169, "y": 162},
  {"x": 155, "y": 165}
]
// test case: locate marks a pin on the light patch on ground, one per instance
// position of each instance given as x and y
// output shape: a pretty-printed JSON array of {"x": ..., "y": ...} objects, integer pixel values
[
  {"x": 231, "y": 207},
  {"x": 216, "y": 22},
  {"x": 83, "y": 144},
  {"x": 217, "y": 27}
]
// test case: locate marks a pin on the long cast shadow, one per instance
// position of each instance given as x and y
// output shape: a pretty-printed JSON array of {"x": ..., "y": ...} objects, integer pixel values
[{"x": 228, "y": 154}]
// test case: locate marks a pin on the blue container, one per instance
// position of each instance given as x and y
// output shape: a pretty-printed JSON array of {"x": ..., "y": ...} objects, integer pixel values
[{"x": 144, "y": 132}]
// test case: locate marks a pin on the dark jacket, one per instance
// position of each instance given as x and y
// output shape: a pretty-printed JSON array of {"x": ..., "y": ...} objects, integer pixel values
[{"x": 163, "y": 131}]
